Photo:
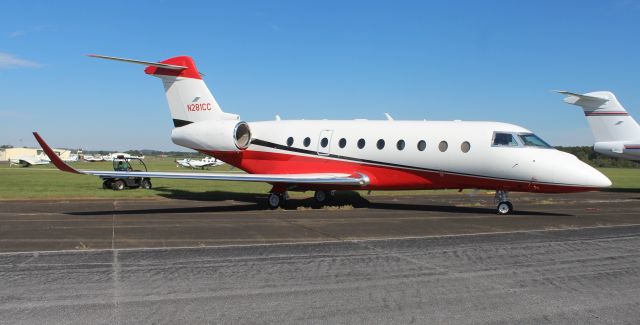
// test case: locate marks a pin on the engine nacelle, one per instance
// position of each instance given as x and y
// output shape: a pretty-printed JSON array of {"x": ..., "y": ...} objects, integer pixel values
[{"x": 213, "y": 135}]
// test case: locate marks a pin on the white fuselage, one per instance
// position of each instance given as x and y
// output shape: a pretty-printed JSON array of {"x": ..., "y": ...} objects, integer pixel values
[{"x": 484, "y": 165}]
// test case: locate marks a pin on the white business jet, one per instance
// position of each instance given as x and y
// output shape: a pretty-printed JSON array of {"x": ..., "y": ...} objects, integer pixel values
[
  {"x": 616, "y": 133},
  {"x": 325, "y": 155}
]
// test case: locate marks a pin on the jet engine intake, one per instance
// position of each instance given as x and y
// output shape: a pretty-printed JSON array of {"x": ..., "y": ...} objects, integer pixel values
[{"x": 213, "y": 135}]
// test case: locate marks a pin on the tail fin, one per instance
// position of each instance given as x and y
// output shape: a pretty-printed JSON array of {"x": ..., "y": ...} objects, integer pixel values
[
  {"x": 189, "y": 98},
  {"x": 608, "y": 120}
]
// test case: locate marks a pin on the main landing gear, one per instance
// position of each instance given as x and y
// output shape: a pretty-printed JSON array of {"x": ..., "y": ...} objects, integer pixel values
[
  {"x": 278, "y": 199},
  {"x": 504, "y": 206},
  {"x": 323, "y": 197}
]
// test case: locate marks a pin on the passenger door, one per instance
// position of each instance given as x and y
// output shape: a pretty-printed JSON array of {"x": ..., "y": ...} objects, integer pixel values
[{"x": 324, "y": 142}]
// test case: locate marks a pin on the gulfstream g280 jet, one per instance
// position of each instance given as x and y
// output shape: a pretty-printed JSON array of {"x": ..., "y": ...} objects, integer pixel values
[{"x": 326, "y": 155}]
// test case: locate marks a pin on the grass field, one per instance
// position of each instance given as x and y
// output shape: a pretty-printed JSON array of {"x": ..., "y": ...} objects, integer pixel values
[{"x": 46, "y": 182}]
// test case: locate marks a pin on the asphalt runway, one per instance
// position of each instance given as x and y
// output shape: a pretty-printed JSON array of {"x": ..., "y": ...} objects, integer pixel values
[{"x": 427, "y": 259}]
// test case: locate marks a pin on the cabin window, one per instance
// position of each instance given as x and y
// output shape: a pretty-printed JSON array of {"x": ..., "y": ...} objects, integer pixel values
[
  {"x": 290, "y": 141},
  {"x": 380, "y": 144},
  {"x": 422, "y": 145},
  {"x": 465, "y": 146},
  {"x": 361, "y": 143},
  {"x": 443, "y": 146},
  {"x": 400, "y": 145},
  {"x": 324, "y": 142},
  {"x": 532, "y": 140},
  {"x": 501, "y": 139},
  {"x": 306, "y": 142},
  {"x": 342, "y": 143}
]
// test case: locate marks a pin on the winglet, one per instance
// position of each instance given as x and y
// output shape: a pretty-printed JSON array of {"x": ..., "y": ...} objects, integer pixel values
[{"x": 54, "y": 158}]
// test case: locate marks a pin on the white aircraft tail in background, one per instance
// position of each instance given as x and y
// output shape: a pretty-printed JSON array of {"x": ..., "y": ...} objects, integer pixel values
[{"x": 616, "y": 133}]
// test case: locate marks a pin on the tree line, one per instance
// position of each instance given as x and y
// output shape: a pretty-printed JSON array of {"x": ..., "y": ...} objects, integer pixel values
[{"x": 595, "y": 159}]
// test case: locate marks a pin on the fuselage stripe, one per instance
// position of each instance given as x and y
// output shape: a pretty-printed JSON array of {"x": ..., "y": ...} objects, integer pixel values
[{"x": 606, "y": 113}]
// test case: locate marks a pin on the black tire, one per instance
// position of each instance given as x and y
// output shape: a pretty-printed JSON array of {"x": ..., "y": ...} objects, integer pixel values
[
  {"x": 106, "y": 184},
  {"x": 145, "y": 184},
  {"x": 274, "y": 200},
  {"x": 321, "y": 197},
  {"x": 117, "y": 185},
  {"x": 504, "y": 208}
]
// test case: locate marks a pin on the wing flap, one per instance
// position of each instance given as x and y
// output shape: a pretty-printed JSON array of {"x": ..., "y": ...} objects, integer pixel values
[{"x": 319, "y": 178}]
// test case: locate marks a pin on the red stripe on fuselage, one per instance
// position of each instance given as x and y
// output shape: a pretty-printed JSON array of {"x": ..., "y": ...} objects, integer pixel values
[
  {"x": 381, "y": 177},
  {"x": 606, "y": 113}
]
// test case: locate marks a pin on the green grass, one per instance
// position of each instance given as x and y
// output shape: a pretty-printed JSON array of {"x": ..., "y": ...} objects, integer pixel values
[
  {"x": 46, "y": 182},
  {"x": 623, "y": 178}
]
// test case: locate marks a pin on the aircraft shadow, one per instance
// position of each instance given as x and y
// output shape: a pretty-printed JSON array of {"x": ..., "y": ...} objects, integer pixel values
[{"x": 258, "y": 202}]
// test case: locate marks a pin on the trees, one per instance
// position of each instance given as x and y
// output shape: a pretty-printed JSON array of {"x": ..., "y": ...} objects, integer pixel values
[{"x": 595, "y": 159}]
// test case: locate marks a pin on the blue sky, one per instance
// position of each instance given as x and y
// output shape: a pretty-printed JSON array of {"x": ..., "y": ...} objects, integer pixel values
[{"x": 439, "y": 60}]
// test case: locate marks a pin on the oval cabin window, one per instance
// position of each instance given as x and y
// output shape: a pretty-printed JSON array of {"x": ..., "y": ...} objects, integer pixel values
[
  {"x": 465, "y": 146},
  {"x": 361, "y": 143},
  {"x": 443, "y": 146},
  {"x": 422, "y": 145}
]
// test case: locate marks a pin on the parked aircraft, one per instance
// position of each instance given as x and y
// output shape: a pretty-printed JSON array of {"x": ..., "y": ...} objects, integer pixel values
[
  {"x": 199, "y": 163},
  {"x": 96, "y": 158},
  {"x": 120, "y": 155},
  {"x": 325, "y": 155},
  {"x": 28, "y": 161},
  {"x": 616, "y": 133}
]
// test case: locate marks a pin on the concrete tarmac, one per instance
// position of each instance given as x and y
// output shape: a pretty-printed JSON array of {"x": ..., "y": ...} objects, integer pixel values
[{"x": 426, "y": 259}]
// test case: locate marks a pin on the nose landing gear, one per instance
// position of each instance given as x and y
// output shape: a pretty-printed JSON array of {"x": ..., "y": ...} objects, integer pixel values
[{"x": 504, "y": 206}]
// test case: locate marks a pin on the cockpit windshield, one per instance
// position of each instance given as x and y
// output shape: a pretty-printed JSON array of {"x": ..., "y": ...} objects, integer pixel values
[
  {"x": 532, "y": 140},
  {"x": 504, "y": 140}
]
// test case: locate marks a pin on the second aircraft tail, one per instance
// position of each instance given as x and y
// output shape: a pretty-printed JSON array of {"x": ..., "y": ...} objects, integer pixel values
[{"x": 608, "y": 120}]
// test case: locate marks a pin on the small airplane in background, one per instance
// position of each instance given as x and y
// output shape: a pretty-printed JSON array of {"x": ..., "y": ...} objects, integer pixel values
[
  {"x": 28, "y": 161},
  {"x": 120, "y": 155},
  {"x": 616, "y": 133},
  {"x": 325, "y": 155},
  {"x": 199, "y": 163},
  {"x": 92, "y": 158}
]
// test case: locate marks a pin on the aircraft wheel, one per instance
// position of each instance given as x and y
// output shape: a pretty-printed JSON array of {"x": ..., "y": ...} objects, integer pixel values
[
  {"x": 322, "y": 196},
  {"x": 117, "y": 185},
  {"x": 145, "y": 184},
  {"x": 274, "y": 200},
  {"x": 505, "y": 208}
]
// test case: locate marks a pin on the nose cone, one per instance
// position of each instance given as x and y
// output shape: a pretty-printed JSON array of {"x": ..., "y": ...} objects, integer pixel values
[
  {"x": 564, "y": 168},
  {"x": 579, "y": 173},
  {"x": 594, "y": 178}
]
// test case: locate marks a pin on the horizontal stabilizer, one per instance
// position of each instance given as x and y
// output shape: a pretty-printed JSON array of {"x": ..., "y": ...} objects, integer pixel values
[
  {"x": 315, "y": 178},
  {"x": 147, "y": 63}
]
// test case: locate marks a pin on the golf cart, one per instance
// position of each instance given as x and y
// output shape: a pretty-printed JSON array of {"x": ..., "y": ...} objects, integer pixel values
[{"x": 123, "y": 164}]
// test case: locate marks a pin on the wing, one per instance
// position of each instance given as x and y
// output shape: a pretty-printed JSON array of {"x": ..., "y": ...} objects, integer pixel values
[{"x": 319, "y": 178}]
